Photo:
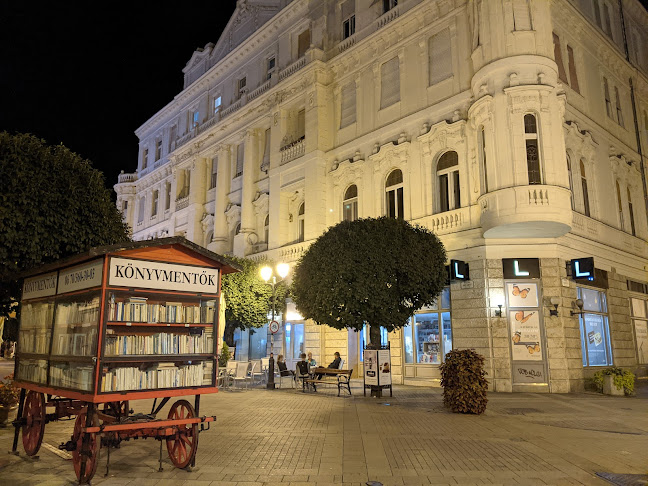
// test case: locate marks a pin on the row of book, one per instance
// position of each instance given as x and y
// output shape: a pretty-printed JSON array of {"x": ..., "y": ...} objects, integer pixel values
[
  {"x": 162, "y": 375},
  {"x": 34, "y": 340},
  {"x": 159, "y": 343},
  {"x": 76, "y": 312},
  {"x": 32, "y": 370},
  {"x": 138, "y": 310},
  {"x": 76, "y": 343},
  {"x": 36, "y": 316},
  {"x": 70, "y": 375}
]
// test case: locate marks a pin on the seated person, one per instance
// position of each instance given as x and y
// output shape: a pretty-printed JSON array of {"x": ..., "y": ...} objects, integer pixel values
[
  {"x": 283, "y": 369},
  {"x": 335, "y": 364},
  {"x": 311, "y": 361},
  {"x": 303, "y": 367}
]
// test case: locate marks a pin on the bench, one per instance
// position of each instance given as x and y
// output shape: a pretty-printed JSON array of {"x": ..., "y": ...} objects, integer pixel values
[{"x": 330, "y": 376}]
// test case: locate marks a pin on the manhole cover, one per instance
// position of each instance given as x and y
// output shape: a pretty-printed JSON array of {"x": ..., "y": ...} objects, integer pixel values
[
  {"x": 625, "y": 479},
  {"x": 521, "y": 411}
]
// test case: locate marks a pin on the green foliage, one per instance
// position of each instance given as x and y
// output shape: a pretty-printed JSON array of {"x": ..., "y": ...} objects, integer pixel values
[
  {"x": 374, "y": 270},
  {"x": 53, "y": 204},
  {"x": 248, "y": 298},
  {"x": 464, "y": 381},
  {"x": 622, "y": 379},
  {"x": 224, "y": 356}
]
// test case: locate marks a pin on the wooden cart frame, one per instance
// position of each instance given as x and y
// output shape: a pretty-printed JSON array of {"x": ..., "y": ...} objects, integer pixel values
[{"x": 104, "y": 418}]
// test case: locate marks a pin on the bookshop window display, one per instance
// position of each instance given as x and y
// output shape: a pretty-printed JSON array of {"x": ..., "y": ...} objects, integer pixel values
[
  {"x": 594, "y": 327},
  {"x": 428, "y": 336}
]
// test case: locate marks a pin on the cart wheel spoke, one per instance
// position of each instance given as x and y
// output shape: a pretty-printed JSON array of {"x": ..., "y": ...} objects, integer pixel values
[
  {"x": 182, "y": 445},
  {"x": 90, "y": 455},
  {"x": 34, "y": 428}
]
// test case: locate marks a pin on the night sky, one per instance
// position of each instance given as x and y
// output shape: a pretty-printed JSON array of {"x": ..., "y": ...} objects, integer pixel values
[{"x": 89, "y": 74}]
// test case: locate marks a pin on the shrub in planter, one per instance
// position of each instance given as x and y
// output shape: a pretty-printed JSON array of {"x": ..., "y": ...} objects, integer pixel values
[
  {"x": 224, "y": 356},
  {"x": 623, "y": 379},
  {"x": 463, "y": 381}
]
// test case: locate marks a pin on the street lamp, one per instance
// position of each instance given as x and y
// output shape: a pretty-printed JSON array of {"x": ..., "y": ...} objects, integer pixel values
[{"x": 268, "y": 276}]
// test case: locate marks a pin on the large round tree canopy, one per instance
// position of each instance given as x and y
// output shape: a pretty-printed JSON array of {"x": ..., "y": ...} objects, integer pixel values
[{"x": 369, "y": 271}]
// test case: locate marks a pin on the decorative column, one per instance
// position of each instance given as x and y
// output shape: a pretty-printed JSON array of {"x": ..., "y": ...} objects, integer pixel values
[
  {"x": 221, "y": 232},
  {"x": 250, "y": 174}
]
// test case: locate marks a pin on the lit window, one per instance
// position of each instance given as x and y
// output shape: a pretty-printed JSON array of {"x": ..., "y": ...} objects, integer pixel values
[
  {"x": 350, "y": 204},
  {"x": 428, "y": 336},
  {"x": 394, "y": 194},
  {"x": 300, "y": 223},
  {"x": 595, "y": 333},
  {"x": 217, "y": 104}
]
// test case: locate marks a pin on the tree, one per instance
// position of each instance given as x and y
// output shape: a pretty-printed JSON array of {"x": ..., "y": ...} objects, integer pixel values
[
  {"x": 53, "y": 204},
  {"x": 369, "y": 271},
  {"x": 248, "y": 299}
]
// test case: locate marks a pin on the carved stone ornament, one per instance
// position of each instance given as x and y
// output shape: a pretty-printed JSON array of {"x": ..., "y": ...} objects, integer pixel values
[
  {"x": 233, "y": 215},
  {"x": 207, "y": 222},
  {"x": 252, "y": 238},
  {"x": 261, "y": 203}
]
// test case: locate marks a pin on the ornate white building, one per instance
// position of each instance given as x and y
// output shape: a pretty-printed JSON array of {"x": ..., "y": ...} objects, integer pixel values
[{"x": 513, "y": 129}]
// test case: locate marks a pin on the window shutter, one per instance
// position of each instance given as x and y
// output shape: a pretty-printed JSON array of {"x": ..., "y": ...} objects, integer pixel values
[
  {"x": 562, "y": 75},
  {"x": 348, "y": 105},
  {"x": 521, "y": 15},
  {"x": 440, "y": 57},
  {"x": 389, "y": 83},
  {"x": 572, "y": 70}
]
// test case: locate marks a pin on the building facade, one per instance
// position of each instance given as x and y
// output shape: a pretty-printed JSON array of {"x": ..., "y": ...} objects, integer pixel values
[{"x": 513, "y": 129}]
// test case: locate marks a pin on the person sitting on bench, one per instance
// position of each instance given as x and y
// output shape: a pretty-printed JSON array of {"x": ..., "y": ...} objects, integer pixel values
[
  {"x": 283, "y": 369},
  {"x": 335, "y": 364}
]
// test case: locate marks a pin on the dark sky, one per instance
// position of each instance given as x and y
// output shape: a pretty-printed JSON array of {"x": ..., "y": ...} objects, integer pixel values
[{"x": 88, "y": 74}]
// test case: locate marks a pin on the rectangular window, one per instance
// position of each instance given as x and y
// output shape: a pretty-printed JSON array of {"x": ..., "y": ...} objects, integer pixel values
[
  {"x": 533, "y": 162},
  {"x": 348, "y": 105},
  {"x": 158, "y": 149},
  {"x": 258, "y": 343},
  {"x": 389, "y": 83},
  {"x": 301, "y": 124},
  {"x": 631, "y": 213},
  {"x": 456, "y": 189},
  {"x": 597, "y": 13},
  {"x": 214, "y": 172},
  {"x": 348, "y": 27},
  {"x": 607, "y": 16},
  {"x": 154, "y": 203},
  {"x": 124, "y": 206},
  {"x": 618, "y": 106},
  {"x": 240, "y": 154},
  {"x": 140, "y": 213},
  {"x": 241, "y": 86},
  {"x": 521, "y": 15},
  {"x": 572, "y": 70},
  {"x": 440, "y": 57},
  {"x": 144, "y": 158},
  {"x": 594, "y": 327},
  {"x": 271, "y": 66},
  {"x": 265, "y": 164},
  {"x": 303, "y": 43},
  {"x": 608, "y": 101},
  {"x": 217, "y": 104},
  {"x": 444, "y": 193},
  {"x": 586, "y": 205},
  {"x": 389, "y": 4},
  {"x": 428, "y": 336},
  {"x": 482, "y": 154},
  {"x": 173, "y": 135},
  {"x": 638, "y": 309},
  {"x": 562, "y": 75}
]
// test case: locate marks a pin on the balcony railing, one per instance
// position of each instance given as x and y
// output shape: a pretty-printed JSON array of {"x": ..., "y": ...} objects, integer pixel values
[
  {"x": 388, "y": 17},
  {"x": 259, "y": 91},
  {"x": 185, "y": 138},
  {"x": 346, "y": 43},
  {"x": 231, "y": 108},
  {"x": 182, "y": 202},
  {"x": 208, "y": 124},
  {"x": 126, "y": 178},
  {"x": 293, "y": 68},
  {"x": 293, "y": 151}
]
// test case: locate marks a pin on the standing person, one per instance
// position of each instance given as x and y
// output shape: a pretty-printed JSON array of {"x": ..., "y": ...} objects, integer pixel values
[{"x": 311, "y": 361}]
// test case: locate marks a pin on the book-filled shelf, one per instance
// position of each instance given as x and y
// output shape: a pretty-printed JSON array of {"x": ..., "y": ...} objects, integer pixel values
[{"x": 135, "y": 320}]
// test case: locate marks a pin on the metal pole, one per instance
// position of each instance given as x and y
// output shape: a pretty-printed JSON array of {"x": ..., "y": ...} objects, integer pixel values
[{"x": 270, "y": 385}]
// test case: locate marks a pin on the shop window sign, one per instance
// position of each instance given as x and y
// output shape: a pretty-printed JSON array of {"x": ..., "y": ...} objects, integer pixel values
[
  {"x": 582, "y": 268},
  {"x": 459, "y": 270},
  {"x": 428, "y": 336},
  {"x": 594, "y": 327},
  {"x": 515, "y": 268}
]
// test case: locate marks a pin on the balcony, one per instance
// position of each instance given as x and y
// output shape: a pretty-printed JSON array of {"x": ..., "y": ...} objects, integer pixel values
[
  {"x": 447, "y": 222},
  {"x": 182, "y": 202},
  {"x": 260, "y": 90},
  {"x": 388, "y": 17},
  {"x": 346, "y": 43},
  {"x": 293, "y": 150},
  {"x": 293, "y": 68},
  {"x": 123, "y": 178},
  {"x": 231, "y": 108},
  {"x": 535, "y": 211}
]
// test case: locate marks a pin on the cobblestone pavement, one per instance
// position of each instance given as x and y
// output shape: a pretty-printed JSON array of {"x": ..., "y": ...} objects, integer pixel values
[{"x": 284, "y": 436}]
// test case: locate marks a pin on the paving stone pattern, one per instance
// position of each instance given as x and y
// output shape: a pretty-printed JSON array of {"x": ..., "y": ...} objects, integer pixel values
[{"x": 284, "y": 436}]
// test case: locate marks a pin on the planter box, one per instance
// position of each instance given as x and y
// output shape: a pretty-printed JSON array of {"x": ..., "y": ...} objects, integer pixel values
[{"x": 609, "y": 388}]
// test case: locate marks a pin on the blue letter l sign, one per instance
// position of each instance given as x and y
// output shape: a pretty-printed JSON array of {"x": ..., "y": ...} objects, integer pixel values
[{"x": 518, "y": 272}]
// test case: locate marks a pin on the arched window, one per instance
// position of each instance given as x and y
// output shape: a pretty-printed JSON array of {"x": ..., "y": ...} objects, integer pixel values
[
  {"x": 586, "y": 207},
  {"x": 300, "y": 223},
  {"x": 209, "y": 237},
  {"x": 532, "y": 154},
  {"x": 571, "y": 181},
  {"x": 619, "y": 205},
  {"x": 482, "y": 156},
  {"x": 350, "y": 204},
  {"x": 394, "y": 194},
  {"x": 140, "y": 214},
  {"x": 266, "y": 228},
  {"x": 631, "y": 214},
  {"x": 448, "y": 176},
  {"x": 237, "y": 229}
]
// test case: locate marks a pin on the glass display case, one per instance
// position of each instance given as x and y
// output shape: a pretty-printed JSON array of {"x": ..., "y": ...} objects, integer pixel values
[
  {"x": 36, "y": 327},
  {"x": 428, "y": 336}
]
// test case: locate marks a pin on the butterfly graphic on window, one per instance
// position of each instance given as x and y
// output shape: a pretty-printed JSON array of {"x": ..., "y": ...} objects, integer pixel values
[
  {"x": 533, "y": 348},
  {"x": 522, "y": 293},
  {"x": 520, "y": 317}
]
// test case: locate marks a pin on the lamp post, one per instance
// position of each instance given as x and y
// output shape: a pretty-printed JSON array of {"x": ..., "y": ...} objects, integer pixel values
[{"x": 267, "y": 274}]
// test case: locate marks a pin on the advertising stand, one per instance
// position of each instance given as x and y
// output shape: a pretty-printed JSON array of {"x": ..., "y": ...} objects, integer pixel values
[
  {"x": 377, "y": 368},
  {"x": 120, "y": 323}
]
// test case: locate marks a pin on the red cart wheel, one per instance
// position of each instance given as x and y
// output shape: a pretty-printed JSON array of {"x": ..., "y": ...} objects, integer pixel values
[
  {"x": 34, "y": 427},
  {"x": 182, "y": 445},
  {"x": 89, "y": 457}
]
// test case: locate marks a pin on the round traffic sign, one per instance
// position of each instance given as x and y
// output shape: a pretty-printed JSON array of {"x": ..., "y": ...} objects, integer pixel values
[{"x": 274, "y": 327}]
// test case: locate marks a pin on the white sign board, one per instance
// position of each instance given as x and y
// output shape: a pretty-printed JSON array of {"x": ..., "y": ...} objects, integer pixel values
[
  {"x": 384, "y": 365},
  {"x": 41, "y": 286},
  {"x": 81, "y": 277},
  {"x": 371, "y": 369},
  {"x": 130, "y": 273}
]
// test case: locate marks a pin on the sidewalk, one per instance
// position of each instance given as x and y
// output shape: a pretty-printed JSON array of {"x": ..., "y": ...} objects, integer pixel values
[{"x": 286, "y": 437}]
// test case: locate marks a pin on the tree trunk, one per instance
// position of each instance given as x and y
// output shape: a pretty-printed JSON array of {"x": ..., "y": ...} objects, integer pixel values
[{"x": 228, "y": 335}]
